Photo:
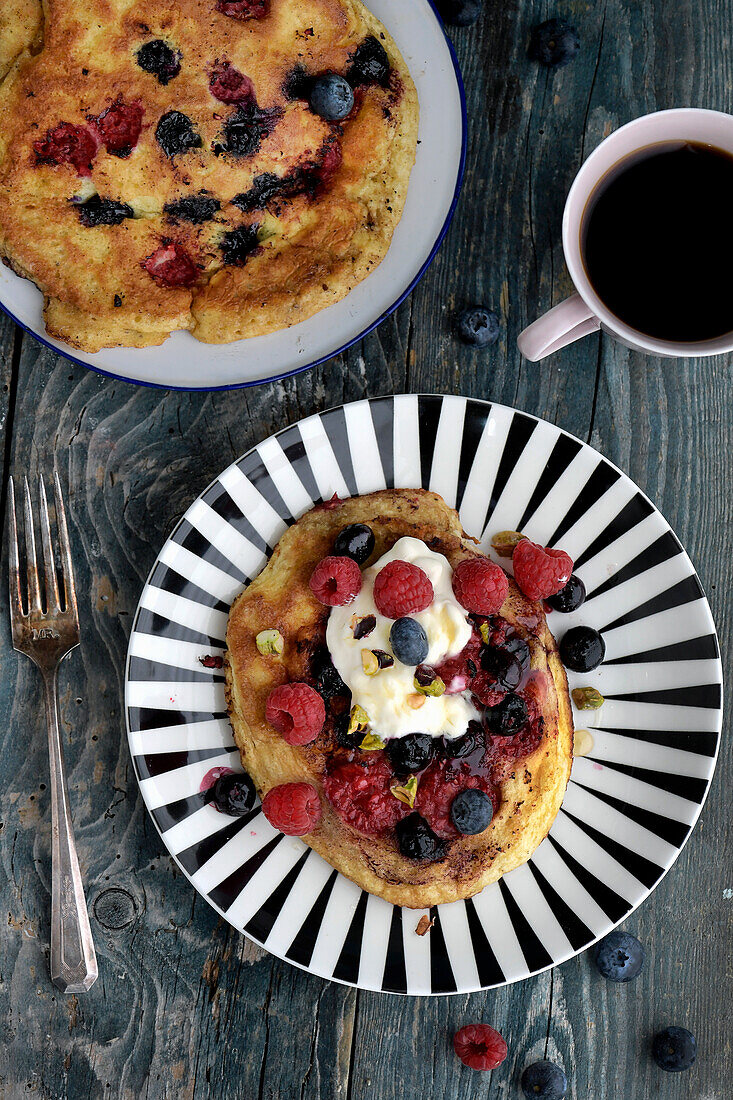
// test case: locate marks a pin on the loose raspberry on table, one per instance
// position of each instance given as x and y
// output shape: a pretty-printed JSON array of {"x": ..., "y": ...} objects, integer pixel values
[
  {"x": 336, "y": 581},
  {"x": 401, "y": 588},
  {"x": 171, "y": 266},
  {"x": 480, "y": 1046},
  {"x": 359, "y": 791},
  {"x": 480, "y": 586},
  {"x": 228, "y": 85},
  {"x": 68, "y": 144},
  {"x": 297, "y": 712},
  {"x": 440, "y": 784},
  {"x": 119, "y": 127},
  {"x": 293, "y": 808},
  {"x": 244, "y": 9},
  {"x": 540, "y": 571}
]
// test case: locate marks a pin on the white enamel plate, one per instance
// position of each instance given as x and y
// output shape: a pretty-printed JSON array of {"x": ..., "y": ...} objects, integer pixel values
[
  {"x": 184, "y": 363},
  {"x": 630, "y": 804}
]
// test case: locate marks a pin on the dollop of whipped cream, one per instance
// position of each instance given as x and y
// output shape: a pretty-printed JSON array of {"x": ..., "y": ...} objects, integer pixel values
[{"x": 384, "y": 695}]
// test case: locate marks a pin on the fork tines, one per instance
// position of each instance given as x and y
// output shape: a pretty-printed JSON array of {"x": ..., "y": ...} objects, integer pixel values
[{"x": 51, "y": 597}]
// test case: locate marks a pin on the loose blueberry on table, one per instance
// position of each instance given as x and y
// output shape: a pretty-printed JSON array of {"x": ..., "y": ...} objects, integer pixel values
[
  {"x": 619, "y": 957},
  {"x": 674, "y": 1049}
]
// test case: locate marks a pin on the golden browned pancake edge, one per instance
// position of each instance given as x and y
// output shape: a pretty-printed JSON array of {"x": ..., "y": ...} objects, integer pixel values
[
  {"x": 281, "y": 598},
  {"x": 312, "y": 250}
]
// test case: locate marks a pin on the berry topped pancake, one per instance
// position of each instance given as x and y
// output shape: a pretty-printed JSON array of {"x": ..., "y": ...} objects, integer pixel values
[
  {"x": 224, "y": 166},
  {"x": 398, "y": 701}
]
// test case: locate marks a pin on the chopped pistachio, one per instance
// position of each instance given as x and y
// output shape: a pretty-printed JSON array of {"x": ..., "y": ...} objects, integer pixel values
[
  {"x": 427, "y": 681},
  {"x": 483, "y": 630},
  {"x": 358, "y": 719},
  {"x": 406, "y": 792},
  {"x": 386, "y": 660},
  {"x": 415, "y": 700},
  {"x": 369, "y": 662},
  {"x": 587, "y": 698},
  {"x": 583, "y": 743},
  {"x": 505, "y": 541},
  {"x": 371, "y": 742},
  {"x": 363, "y": 625},
  {"x": 270, "y": 643}
]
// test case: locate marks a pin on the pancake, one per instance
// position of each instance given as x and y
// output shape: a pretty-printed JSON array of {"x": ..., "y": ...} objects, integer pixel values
[
  {"x": 529, "y": 772},
  {"x": 161, "y": 169}
]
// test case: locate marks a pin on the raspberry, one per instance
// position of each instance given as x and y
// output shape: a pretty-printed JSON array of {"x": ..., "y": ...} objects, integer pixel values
[
  {"x": 401, "y": 588},
  {"x": 119, "y": 127},
  {"x": 457, "y": 672},
  {"x": 440, "y": 784},
  {"x": 539, "y": 570},
  {"x": 359, "y": 791},
  {"x": 484, "y": 688},
  {"x": 480, "y": 586},
  {"x": 336, "y": 581},
  {"x": 243, "y": 9},
  {"x": 297, "y": 712},
  {"x": 171, "y": 266},
  {"x": 68, "y": 144},
  {"x": 479, "y": 1046},
  {"x": 293, "y": 808},
  {"x": 228, "y": 85}
]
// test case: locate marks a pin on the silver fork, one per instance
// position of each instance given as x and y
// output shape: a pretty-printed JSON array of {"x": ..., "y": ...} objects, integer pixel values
[{"x": 47, "y": 636}]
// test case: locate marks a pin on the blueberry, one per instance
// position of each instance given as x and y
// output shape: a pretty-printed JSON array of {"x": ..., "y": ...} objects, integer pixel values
[
  {"x": 175, "y": 133},
  {"x": 471, "y": 811},
  {"x": 341, "y": 733},
  {"x": 238, "y": 244},
  {"x": 504, "y": 667},
  {"x": 674, "y": 1049},
  {"x": 265, "y": 187},
  {"x": 417, "y": 840},
  {"x": 99, "y": 211},
  {"x": 553, "y": 43},
  {"x": 298, "y": 83},
  {"x": 245, "y": 129},
  {"x": 455, "y": 748},
  {"x": 409, "y": 641},
  {"x": 355, "y": 541},
  {"x": 519, "y": 649},
  {"x": 411, "y": 753},
  {"x": 544, "y": 1081},
  {"x": 160, "y": 60},
  {"x": 461, "y": 13},
  {"x": 332, "y": 97},
  {"x": 478, "y": 326},
  {"x": 570, "y": 597},
  {"x": 196, "y": 209},
  {"x": 328, "y": 681},
  {"x": 507, "y": 717},
  {"x": 619, "y": 957},
  {"x": 233, "y": 794},
  {"x": 369, "y": 64},
  {"x": 582, "y": 649}
]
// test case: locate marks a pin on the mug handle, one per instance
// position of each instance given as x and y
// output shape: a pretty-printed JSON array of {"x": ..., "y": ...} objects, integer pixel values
[{"x": 560, "y": 326}]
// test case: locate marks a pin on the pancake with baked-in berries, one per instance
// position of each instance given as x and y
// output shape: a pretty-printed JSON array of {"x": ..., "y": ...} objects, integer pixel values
[
  {"x": 397, "y": 700},
  {"x": 190, "y": 165}
]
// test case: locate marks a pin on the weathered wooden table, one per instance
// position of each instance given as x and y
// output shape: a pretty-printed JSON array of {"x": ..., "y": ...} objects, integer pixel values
[{"x": 184, "y": 1006}]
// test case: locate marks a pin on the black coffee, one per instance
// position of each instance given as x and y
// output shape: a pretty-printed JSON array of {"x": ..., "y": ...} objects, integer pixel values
[{"x": 658, "y": 241}]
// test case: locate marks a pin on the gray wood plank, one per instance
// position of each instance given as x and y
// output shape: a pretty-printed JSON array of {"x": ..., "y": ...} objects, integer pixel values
[{"x": 184, "y": 1006}]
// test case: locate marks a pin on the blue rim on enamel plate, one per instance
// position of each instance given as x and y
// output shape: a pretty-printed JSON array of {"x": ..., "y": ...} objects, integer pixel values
[
  {"x": 181, "y": 362},
  {"x": 632, "y": 800}
]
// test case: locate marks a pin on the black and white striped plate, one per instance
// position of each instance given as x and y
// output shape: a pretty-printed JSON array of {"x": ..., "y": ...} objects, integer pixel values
[{"x": 630, "y": 804}]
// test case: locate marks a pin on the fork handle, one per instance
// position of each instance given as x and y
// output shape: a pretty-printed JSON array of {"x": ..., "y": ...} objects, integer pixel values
[{"x": 73, "y": 959}]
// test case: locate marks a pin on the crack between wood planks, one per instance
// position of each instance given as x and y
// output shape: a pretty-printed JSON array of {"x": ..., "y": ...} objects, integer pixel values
[
  {"x": 352, "y": 1049},
  {"x": 314, "y": 1041},
  {"x": 408, "y": 348},
  {"x": 266, "y": 1014},
  {"x": 595, "y": 388},
  {"x": 549, "y": 1010},
  {"x": 9, "y": 421},
  {"x": 592, "y": 85}
]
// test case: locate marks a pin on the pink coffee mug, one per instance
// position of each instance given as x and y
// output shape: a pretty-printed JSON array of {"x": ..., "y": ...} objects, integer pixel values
[{"x": 584, "y": 312}]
